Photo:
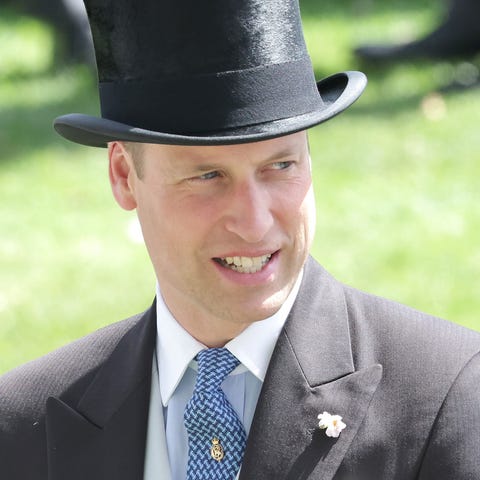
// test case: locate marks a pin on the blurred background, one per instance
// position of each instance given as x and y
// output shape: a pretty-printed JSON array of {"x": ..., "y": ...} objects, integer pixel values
[{"x": 396, "y": 176}]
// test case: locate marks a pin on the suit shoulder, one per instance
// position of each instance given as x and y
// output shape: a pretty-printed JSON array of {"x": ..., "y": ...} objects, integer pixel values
[
  {"x": 24, "y": 390},
  {"x": 369, "y": 306},
  {"x": 396, "y": 330}
]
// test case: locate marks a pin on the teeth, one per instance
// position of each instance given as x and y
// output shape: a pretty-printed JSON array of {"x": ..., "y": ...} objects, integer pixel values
[{"x": 246, "y": 264}]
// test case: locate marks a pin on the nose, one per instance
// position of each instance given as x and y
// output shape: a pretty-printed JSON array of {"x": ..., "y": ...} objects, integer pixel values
[{"x": 248, "y": 211}]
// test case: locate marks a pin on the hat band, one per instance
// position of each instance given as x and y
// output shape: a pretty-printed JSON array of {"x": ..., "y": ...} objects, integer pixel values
[{"x": 206, "y": 103}]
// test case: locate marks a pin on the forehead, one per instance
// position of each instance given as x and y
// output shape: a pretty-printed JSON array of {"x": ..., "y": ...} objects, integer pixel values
[{"x": 255, "y": 152}]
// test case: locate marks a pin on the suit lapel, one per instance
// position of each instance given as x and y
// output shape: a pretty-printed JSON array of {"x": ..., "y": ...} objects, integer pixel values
[
  {"x": 311, "y": 371},
  {"x": 103, "y": 435}
]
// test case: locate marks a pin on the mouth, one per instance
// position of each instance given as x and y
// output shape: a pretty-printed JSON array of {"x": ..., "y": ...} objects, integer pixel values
[{"x": 245, "y": 264}]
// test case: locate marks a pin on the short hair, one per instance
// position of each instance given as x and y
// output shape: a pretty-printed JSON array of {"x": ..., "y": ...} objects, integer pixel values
[{"x": 135, "y": 149}]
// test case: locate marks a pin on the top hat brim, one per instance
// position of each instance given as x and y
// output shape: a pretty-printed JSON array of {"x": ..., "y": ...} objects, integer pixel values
[{"x": 337, "y": 92}]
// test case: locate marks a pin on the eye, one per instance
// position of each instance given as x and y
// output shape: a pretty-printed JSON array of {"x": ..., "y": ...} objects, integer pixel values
[
  {"x": 281, "y": 165},
  {"x": 205, "y": 177},
  {"x": 209, "y": 175}
]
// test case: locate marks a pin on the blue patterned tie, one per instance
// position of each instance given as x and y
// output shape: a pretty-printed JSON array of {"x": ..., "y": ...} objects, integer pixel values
[{"x": 216, "y": 437}]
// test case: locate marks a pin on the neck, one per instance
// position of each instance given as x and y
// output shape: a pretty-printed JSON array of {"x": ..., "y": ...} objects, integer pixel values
[{"x": 211, "y": 332}]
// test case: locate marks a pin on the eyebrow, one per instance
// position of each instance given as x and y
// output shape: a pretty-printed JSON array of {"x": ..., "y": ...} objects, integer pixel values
[
  {"x": 282, "y": 154},
  {"x": 204, "y": 167},
  {"x": 197, "y": 164}
]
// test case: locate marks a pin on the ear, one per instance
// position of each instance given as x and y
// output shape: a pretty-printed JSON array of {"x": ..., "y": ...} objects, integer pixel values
[{"x": 122, "y": 175}]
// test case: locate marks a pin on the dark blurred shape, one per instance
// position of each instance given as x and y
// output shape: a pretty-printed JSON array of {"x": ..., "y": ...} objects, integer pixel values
[
  {"x": 458, "y": 36},
  {"x": 69, "y": 20}
]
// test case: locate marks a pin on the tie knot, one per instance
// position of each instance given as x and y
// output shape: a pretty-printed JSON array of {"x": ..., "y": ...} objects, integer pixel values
[{"x": 214, "y": 365}]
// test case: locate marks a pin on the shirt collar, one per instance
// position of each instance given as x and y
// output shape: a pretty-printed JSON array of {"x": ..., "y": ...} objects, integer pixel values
[{"x": 176, "y": 348}]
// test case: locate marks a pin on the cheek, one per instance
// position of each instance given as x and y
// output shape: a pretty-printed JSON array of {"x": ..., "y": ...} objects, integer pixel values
[
  {"x": 173, "y": 223},
  {"x": 303, "y": 219},
  {"x": 310, "y": 212},
  {"x": 302, "y": 209},
  {"x": 155, "y": 216}
]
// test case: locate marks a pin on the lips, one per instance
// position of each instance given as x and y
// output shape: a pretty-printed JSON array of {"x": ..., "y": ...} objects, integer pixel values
[{"x": 245, "y": 264}]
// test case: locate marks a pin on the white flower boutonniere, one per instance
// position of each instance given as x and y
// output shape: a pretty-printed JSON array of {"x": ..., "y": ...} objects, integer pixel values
[{"x": 332, "y": 423}]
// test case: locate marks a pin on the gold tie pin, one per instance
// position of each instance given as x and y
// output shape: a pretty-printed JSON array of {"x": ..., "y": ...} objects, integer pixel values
[{"x": 216, "y": 451}]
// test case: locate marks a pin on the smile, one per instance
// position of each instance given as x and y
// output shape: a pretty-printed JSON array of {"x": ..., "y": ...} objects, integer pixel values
[{"x": 244, "y": 264}]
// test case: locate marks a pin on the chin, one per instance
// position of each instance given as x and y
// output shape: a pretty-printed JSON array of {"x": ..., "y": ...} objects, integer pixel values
[{"x": 267, "y": 310}]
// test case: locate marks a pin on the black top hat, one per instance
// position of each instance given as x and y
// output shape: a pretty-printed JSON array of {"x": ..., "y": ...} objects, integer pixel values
[{"x": 188, "y": 72}]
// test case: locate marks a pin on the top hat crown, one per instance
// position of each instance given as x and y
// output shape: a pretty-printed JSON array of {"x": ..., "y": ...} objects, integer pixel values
[{"x": 204, "y": 73}]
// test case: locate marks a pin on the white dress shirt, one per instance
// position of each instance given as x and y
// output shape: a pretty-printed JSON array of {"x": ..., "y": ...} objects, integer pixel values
[{"x": 175, "y": 353}]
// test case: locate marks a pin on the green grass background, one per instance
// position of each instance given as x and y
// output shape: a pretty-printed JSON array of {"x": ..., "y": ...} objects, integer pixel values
[{"x": 396, "y": 181}]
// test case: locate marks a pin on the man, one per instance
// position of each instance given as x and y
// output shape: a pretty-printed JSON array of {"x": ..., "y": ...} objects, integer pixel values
[{"x": 253, "y": 361}]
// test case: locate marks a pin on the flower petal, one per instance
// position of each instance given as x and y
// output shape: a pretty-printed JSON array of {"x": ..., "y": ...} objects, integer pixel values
[{"x": 332, "y": 423}]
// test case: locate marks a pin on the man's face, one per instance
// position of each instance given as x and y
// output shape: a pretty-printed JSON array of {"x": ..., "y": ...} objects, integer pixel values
[{"x": 228, "y": 228}]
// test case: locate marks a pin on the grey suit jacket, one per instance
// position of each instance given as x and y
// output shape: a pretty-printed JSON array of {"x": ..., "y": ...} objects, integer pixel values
[{"x": 405, "y": 383}]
